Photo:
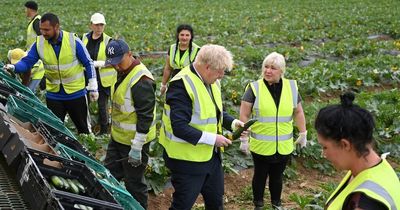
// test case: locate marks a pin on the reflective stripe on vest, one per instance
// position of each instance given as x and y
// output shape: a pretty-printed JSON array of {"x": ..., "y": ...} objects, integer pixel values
[
  {"x": 203, "y": 118},
  {"x": 64, "y": 69},
  {"x": 37, "y": 70},
  {"x": 273, "y": 132},
  {"x": 379, "y": 183},
  {"x": 108, "y": 75},
  {"x": 182, "y": 61},
  {"x": 123, "y": 115},
  {"x": 31, "y": 33}
]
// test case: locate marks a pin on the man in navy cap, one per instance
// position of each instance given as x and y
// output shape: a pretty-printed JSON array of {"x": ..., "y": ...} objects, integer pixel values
[{"x": 133, "y": 101}]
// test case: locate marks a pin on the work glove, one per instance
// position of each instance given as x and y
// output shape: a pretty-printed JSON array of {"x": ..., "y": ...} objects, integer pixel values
[
  {"x": 135, "y": 154},
  {"x": 99, "y": 64},
  {"x": 92, "y": 85},
  {"x": 9, "y": 68},
  {"x": 302, "y": 139},
  {"x": 244, "y": 145},
  {"x": 163, "y": 89},
  {"x": 236, "y": 124}
]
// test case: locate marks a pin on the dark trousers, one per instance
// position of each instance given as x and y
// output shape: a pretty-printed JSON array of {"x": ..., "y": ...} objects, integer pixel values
[
  {"x": 132, "y": 176},
  {"x": 189, "y": 186},
  {"x": 272, "y": 167},
  {"x": 102, "y": 103},
  {"x": 77, "y": 109}
]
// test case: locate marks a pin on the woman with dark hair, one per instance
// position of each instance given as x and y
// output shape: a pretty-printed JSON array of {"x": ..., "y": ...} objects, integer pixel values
[
  {"x": 180, "y": 54},
  {"x": 345, "y": 133}
]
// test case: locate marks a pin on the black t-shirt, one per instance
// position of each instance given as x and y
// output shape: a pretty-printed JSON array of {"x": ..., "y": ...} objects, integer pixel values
[{"x": 93, "y": 45}]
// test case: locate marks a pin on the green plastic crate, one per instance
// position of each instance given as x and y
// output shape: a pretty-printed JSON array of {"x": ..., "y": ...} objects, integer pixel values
[
  {"x": 119, "y": 192},
  {"x": 91, "y": 163},
  {"x": 26, "y": 113},
  {"x": 39, "y": 106},
  {"x": 123, "y": 197},
  {"x": 15, "y": 84}
]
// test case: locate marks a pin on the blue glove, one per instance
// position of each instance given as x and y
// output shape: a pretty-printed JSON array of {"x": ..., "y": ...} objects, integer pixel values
[{"x": 135, "y": 157}]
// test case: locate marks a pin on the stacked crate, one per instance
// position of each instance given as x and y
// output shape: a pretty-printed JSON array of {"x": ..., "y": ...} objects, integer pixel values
[{"x": 39, "y": 147}]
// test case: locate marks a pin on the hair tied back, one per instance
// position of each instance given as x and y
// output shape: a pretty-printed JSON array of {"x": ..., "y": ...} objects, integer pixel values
[{"x": 347, "y": 99}]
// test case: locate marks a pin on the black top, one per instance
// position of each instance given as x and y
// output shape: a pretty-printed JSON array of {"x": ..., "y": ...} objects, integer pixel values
[
  {"x": 181, "y": 112},
  {"x": 93, "y": 45},
  {"x": 143, "y": 93},
  {"x": 275, "y": 90}
]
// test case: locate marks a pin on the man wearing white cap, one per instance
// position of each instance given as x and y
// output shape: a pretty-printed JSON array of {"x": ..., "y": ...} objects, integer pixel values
[{"x": 96, "y": 41}]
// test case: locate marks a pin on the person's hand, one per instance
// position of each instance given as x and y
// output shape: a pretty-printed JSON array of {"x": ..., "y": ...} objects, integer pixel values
[
  {"x": 302, "y": 139},
  {"x": 236, "y": 124},
  {"x": 163, "y": 89},
  {"x": 244, "y": 145},
  {"x": 135, "y": 154},
  {"x": 222, "y": 141},
  {"x": 99, "y": 64},
  {"x": 9, "y": 67},
  {"x": 135, "y": 157},
  {"x": 93, "y": 95}
]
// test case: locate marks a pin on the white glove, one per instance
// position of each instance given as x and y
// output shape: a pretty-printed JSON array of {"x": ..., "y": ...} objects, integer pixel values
[
  {"x": 93, "y": 95},
  {"x": 244, "y": 145},
  {"x": 99, "y": 64},
  {"x": 9, "y": 67},
  {"x": 135, "y": 154},
  {"x": 236, "y": 124},
  {"x": 92, "y": 85},
  {"x": 302, "y": 139}
]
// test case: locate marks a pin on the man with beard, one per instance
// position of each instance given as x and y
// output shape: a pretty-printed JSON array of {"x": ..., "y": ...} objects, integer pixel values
[{"x": 66, "y": 63}]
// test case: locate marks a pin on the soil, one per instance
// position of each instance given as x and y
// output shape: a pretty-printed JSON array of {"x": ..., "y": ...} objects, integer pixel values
[{"x": 238, "y": 195}]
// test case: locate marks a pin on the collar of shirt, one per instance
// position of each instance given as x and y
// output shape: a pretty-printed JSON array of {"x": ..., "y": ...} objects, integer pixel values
[
  {"x": 58, "y": 40},
  {"x": 198, "y": 74}
]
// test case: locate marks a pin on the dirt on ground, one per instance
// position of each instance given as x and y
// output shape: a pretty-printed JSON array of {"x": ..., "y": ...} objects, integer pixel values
[{"x": 238, "y": 194}]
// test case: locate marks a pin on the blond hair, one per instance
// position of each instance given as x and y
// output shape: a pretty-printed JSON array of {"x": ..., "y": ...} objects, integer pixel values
[
  {"x": 218, "y": 57},
  {"x": 275, "y": 60}
]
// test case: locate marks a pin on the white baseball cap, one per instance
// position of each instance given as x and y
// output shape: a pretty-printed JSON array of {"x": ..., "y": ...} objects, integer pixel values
[{"x": 98, "y": 18}]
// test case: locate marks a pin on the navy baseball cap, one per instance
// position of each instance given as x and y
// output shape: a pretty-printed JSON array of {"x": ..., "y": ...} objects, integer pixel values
[{"x": 115, "y": 51}]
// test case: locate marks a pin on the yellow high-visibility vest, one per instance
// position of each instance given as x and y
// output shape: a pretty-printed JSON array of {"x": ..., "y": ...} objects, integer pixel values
[
  {"x": 379, "y": 183},
  {"x": 31, "y": 33},
  {"x": 204, "y": 118},
  {"x": 66, "y": 69},
  {"x": 107, "y": 74},
  {"x": 37, "y": 72},
  {"x": 184, "y": 60},
  {"x": 123, "y": 114},
  {"x": 273, "y": 132}
]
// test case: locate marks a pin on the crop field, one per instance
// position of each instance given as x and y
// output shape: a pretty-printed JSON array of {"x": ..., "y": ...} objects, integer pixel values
[{"x": 330, "y": 47}]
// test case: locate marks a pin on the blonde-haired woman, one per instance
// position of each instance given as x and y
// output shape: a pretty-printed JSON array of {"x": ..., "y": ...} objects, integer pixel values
[{"x": 274, "y": 101}]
